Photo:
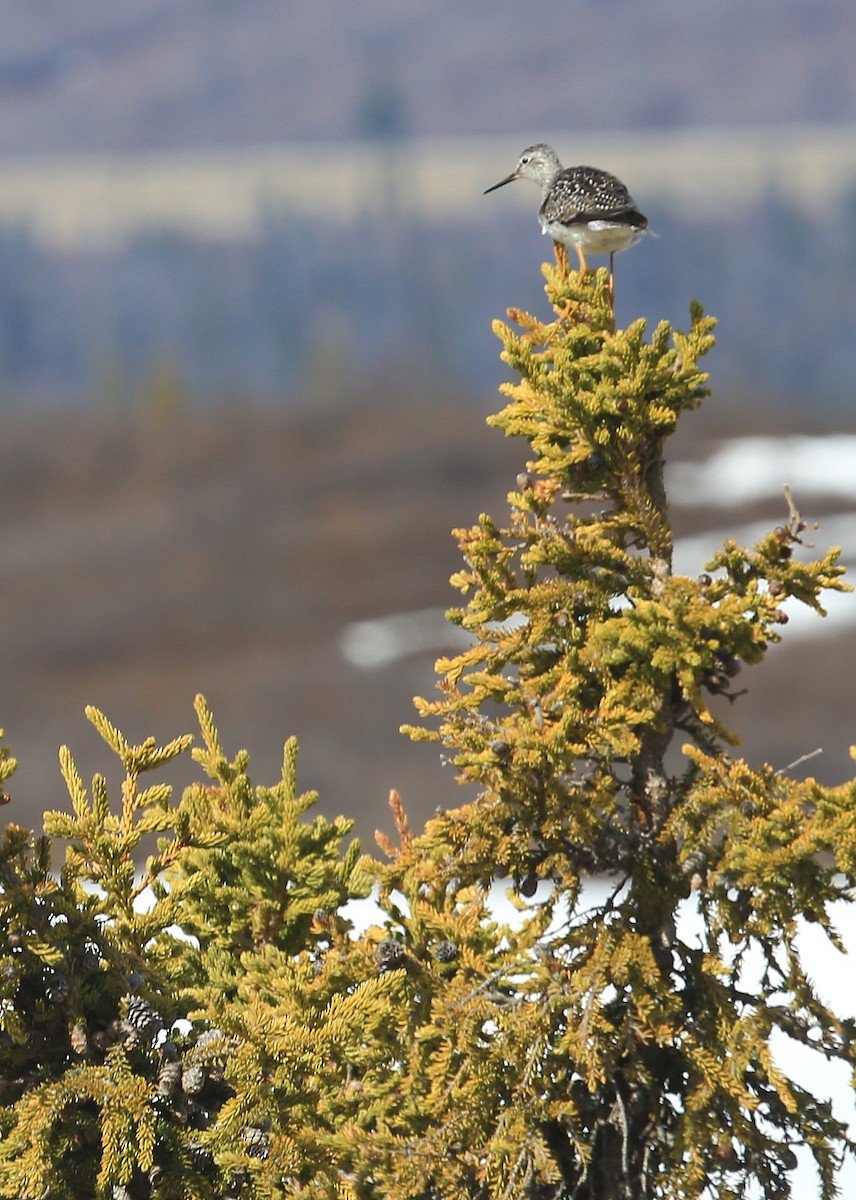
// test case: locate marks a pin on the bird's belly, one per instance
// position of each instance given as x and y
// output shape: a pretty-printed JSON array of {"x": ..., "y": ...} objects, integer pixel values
[{"x": 596, "y": 237}]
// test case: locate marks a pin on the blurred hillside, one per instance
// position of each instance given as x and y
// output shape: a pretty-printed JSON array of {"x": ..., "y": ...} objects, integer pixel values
[
  {"x": 101, "y": 76},
  {"x": 240, "y": 554}
]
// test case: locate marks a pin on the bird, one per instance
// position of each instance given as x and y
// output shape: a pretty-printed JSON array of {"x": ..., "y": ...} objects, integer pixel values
[{"x": 581, "y": 206}]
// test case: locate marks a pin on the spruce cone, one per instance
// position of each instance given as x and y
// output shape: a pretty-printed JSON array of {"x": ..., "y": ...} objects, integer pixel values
[
  {"x": 103, "y": 1039},
  {"x": 169, "y": 1078},
  {"x": 78, "y": 1038},
  {"x": 257, "y": 1142},
  {"x": 200, "y": 1155},
  {"x": 445, "y": 952},
  {"x": 143, "y": 1017},
  {"x": 89, "y": 961},
  {"x": 193, "y": 1080},
  {"x": 210, "y": 1035},
  {"x": 390, "y": 955},
  {"x": 56, "y": 985}
]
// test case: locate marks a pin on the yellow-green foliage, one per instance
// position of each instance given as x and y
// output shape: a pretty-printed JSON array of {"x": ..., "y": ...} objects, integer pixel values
[
  {"x": 209, "y": 1024},
  {"x": 591, "y": 664},
  {"x": 114, "y": 1077}
]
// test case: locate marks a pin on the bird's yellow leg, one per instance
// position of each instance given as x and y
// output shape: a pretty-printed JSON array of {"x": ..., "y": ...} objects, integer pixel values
[{"x": 565, "y": 270}]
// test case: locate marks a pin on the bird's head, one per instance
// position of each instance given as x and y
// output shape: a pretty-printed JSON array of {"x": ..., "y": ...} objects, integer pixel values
[{"x": 539, "y": 163}]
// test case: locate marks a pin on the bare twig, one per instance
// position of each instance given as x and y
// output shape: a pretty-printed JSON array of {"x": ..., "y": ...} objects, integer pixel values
[
  {"x": 796, "y": 524},
  {"x": 803, "y": 758}
]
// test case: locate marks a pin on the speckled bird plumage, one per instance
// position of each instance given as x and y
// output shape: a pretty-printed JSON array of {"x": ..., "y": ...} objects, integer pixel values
[{"x": 580, "y": 206}]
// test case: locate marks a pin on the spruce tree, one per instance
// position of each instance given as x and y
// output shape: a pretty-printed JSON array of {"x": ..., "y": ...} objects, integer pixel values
[
  {"x": 634, "y": 1063},
  {"x": 207, "y": 1022},
  {"x": 117, "y": 1079}
]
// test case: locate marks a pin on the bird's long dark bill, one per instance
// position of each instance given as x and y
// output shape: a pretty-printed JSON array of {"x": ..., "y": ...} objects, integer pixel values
[{"x": 508, "y": 179}]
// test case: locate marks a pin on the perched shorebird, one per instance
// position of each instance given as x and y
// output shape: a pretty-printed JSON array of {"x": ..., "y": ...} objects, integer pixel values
[{"x": 580, "y": 206}]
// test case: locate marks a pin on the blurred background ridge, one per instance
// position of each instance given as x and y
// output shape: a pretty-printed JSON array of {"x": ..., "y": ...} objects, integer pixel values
[{"x": 101, "y": 199}]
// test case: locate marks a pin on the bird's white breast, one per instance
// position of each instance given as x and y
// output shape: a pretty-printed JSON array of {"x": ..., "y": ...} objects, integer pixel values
[{"x": 595, "y": 237}]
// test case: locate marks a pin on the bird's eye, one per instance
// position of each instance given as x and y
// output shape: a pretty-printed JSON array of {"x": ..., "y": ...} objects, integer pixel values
[{"x": 524, "y": 160}]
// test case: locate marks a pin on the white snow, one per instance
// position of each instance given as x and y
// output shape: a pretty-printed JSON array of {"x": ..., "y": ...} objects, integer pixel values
[{"x": 751, "y": 468}]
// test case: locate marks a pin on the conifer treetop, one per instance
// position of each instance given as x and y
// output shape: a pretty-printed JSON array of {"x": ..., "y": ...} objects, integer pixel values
[{"x": 582, "y": 715}]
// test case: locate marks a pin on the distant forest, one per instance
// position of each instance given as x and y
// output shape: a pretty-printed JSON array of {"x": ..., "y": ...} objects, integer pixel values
[
  {"x": 302, "y": 311},
  {"x": 104, "y": 77}
]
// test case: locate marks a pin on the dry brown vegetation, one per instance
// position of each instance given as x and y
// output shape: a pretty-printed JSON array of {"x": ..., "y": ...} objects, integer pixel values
[{"x": 144, "y": 560}]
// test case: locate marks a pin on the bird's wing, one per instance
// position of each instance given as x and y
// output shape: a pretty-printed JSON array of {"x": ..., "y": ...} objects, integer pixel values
[{"x": 589, "y": 194}]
